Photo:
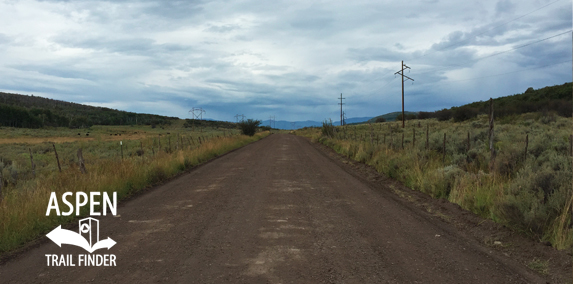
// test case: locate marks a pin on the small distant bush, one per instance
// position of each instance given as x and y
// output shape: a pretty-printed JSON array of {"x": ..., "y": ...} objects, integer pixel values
[
  {"x": 249, "y": 126},
  {"x": 380, "y": 119},
  {"x": 328, "y": 128}
]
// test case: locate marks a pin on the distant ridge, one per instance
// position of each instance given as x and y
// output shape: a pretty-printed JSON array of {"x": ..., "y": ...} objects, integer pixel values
[{"x": 34, "y": 112}]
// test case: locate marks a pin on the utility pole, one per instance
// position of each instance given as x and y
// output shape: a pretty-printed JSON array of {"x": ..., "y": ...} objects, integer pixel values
[
  {"x": 401, "y": 72},
  {"x": 241, "y": 116},
  {"x": 197, "y": 113},
  {"x": 343, "y": 118},
  {"x": 341, "y": 115},
  {"x": 271, "y": 118}
]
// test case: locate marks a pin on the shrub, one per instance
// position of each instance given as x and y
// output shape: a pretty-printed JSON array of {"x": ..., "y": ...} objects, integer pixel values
[
  {"x": 249, "y": 126},
  {"x": 380, "y": 119},
  {"x": 328, "y": 128}
]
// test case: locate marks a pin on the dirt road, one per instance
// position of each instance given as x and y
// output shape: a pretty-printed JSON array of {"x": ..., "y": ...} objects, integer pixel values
[{"x": 276, "y": 211}]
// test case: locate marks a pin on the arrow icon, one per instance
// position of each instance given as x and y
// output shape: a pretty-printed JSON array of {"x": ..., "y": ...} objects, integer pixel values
[{"x": 62, "y": 236}]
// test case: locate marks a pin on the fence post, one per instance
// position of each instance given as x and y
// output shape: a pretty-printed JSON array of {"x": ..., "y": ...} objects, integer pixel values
[
  {"x": 570, "y": 145},
  {"x": 402, "y": 140},
  {"x": 159, "y": 150},
  {"x": 169, "y": 142},
  {"x": 141, "y": 148},
  {"x": 469, "y": 145},
  {"x": 413, "y": 137},
  {"x": 32, "y": 163},
  {"x": 444, "y": 150},
  {"x": 427, "y": 135},
  {"x": 371, "y": 134},
  {"x": 81, "y": 161},
  {"x": 121, "y": 146},
  {"x": 491, "y": 148},
  {"x": 57, "y": 158},
  {"x": 526, "y": 144}
]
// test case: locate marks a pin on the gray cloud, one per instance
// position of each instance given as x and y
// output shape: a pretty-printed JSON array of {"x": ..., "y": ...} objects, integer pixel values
[
  {"x": 290, "y": 59},
  {"x": 504, "y": 7}
]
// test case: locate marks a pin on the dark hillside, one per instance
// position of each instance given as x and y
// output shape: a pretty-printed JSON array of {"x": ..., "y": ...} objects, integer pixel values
[{"x": 34, "y": 112}]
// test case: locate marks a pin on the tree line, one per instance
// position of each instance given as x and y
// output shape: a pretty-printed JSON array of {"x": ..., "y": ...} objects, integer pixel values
[
  {"x": 34, "y": 112},
  {"x": 553, "y": 99}
]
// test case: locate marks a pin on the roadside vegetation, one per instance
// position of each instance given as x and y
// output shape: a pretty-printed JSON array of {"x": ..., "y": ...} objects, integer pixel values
[
  {"x": 527, "y": 186},
  {"x": 145, "y": 157},
  {"x": 249, "y": 126}
]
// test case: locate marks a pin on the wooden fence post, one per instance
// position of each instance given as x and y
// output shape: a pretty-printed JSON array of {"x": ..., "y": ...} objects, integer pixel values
[
  {"x": 141, "y": 147},
  {"x": 526, "y": 144},
  {"x": 413, "y": 137},
  {"x": 121, "y": 147},
  {"x": 81, "y": 161},
  {"x": 169, "y": 142},
  {"x": 199, "y": 138},
  {"x": 402, "y": 140},
  {"x": 469, "y": 145},
  {"x": 177, "y": 144},
  {"x": 444, "y": 149},
  {"x": 32, "y": 163},
  {"x": 371, "y": 134},
  {"x": 491, "y": 148},
  {"x": 427, "y": 135},
  {"x": 57, "y": 158},
  {"x": 159, "y": 150},
  {"x": 570, "y": 145}
]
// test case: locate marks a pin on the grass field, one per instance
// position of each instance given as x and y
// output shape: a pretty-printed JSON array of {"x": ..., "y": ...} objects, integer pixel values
[
  {"x": 150, "y": 155},
  {"x": 528, "y": 191}
]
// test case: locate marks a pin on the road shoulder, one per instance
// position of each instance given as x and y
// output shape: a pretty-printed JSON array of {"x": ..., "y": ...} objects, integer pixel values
[{"x": 496, "y": 239}]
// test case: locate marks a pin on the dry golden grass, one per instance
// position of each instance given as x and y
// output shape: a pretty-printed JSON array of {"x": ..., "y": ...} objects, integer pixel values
[
  {"x": 530, "y": 192},
  {"x": 23, "y": 208}
]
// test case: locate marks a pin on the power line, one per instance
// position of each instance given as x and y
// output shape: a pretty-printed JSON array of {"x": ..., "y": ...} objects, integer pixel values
[
  {"x": 495, "y": 27},
  {"x": 501, "y": 74},
  {"x": 498, "y": 53}
]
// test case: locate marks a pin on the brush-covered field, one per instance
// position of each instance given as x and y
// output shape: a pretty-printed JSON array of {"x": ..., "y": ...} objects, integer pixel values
[
  {"x": 150, "y": 155},
  {"x": 529, "y": 190}
]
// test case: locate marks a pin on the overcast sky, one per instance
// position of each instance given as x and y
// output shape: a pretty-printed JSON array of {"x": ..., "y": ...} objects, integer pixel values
[{"x": 290, "y": 59}]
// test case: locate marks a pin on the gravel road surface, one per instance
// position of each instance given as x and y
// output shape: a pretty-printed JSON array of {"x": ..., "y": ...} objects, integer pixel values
[{"x": 279, "y": 210}]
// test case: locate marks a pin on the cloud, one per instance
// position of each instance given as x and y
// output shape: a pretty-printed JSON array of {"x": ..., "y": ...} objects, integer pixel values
[
  {"x": 290, "y": 59},
  {"x": 504, "y": 7}
]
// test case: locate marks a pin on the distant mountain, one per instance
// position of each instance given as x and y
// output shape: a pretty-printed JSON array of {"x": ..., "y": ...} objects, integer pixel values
[{"x": 289, "y": 125}]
